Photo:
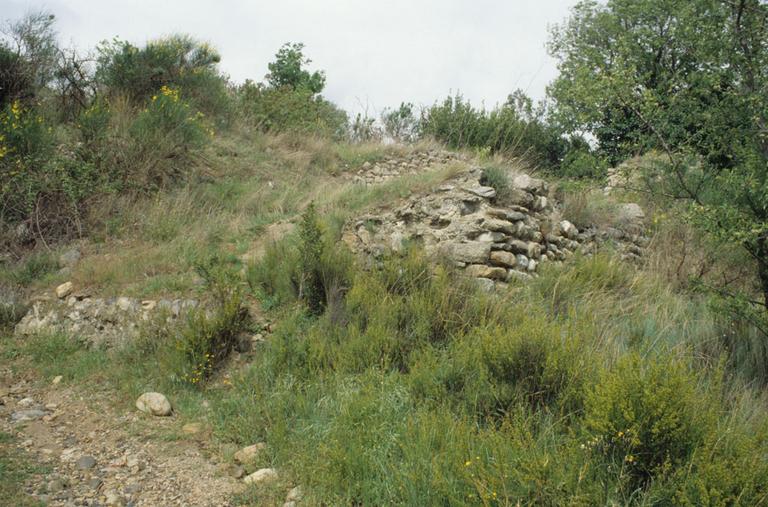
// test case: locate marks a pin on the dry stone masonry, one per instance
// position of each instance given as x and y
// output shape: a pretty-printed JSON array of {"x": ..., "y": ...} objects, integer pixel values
[
  {"x": 495, "y": 239},
  {"x": 98, "y": 321},
  {"x": 395, "y": 167}
]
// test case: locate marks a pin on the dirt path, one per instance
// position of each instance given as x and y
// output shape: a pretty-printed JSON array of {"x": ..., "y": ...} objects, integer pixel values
[{"x": 97, "y": 456}]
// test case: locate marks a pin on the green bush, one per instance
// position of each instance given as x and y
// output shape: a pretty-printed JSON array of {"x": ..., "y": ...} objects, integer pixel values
[
  {"x": 201, "y": 346},
  {"x": 498, "y": 179},
  {"x": 646, "y": 417},
  {"x": 515, "y": 129},
  {"x": 292, "y": 110},
  {"x": 308, "y": 266},
  {"x": 583, "y": 164},
  {"x": 165, "y": 135}
]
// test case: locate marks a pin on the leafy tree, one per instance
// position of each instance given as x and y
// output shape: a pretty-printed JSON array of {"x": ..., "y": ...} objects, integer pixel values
[
  {"x": 288, "y": 70},
  {"x": 28, "y": 56},
  {"x": 686, "y": 77}
]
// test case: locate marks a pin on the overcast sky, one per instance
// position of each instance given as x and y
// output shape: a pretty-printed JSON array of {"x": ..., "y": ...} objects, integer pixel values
[{"x": 375, "y": 53}]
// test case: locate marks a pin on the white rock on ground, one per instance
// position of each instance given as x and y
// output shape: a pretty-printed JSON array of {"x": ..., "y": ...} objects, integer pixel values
[
  {"x": 250, "y": 453},
  {"x": 262, "y": 476},
  {"x": 64, "y": 290},
  {"x": 154, "y": 403}
]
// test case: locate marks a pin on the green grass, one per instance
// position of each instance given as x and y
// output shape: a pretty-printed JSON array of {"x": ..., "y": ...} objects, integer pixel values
[{"x": 15, "y": 470}]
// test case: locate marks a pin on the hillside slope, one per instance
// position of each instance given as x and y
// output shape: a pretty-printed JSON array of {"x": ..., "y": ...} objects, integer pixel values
[{"x": 307, "y": 304}]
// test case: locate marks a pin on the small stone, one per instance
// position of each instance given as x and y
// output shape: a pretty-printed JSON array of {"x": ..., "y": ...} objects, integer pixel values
[
  {"x": 86, "y": 462},
  {"x": 236, "y": 471},
  {"x": 484, "y": 192},
  {"x": 114, "y": 500},
  {"x": 27, "y": 402},
  {"x": 483, "y": 271},
  {"x": 294, "y": 495},
  {"x": 27, "y": 415},
  {"x": 57, "y": 379},
  {"x": 262, "y": 476},
  {"x": 94, "y": 483},
  {"x": 531, "y": 185},
  {"x": 154, "y": 403},
  {"x": 250, "y": 453},
  {"x": 148, "y": 305},
  {"x": 64, "y": 290}
]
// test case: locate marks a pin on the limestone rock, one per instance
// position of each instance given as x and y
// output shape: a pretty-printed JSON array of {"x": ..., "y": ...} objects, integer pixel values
[
  {"x": 567, "y": 229},
  {"x": 484, "y": 192},
  {"x": 529, "y": 184},
  {"x": 86, "y": 462},
  {"x": 64, "y": 290},
  {"x": 504, "y": 259},
  {"x": 27, "y": 415},
  {"x": 249, "y": 454},
  {"x": 483, "y": 271},
  {"x": 472, "y": 252},
  {"x": 70, "y": 258},
  {"x": 262, "y": 476},
  {"x": 294, "y": 495},
  {"x": 154, "y": 403}
]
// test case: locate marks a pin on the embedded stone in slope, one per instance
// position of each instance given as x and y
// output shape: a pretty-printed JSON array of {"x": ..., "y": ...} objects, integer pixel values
[
  {"x": 530, "y": 185},
  {"x": 471, "y": 252}
]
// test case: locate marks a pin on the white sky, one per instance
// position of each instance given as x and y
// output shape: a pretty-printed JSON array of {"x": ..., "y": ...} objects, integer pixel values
[{"x": 375, "y": 53}]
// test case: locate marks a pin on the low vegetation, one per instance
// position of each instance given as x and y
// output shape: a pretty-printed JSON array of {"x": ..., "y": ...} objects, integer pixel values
[{"x": 396, "y": 381}]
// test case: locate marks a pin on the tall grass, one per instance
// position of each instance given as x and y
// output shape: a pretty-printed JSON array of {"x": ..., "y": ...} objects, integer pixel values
[{"x": 594, "y": 385}]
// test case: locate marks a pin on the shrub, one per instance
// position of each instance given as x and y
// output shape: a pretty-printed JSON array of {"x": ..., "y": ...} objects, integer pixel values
[
  {"x": 26, "y": 145},
  {"x": 173, "y": 61},
  {"x": 201, "y": 345},
  {"x": 582, "y": 164},
  {"x": 400, "y": 124},
  {"x": 514, "y": 129},
  {"x": 165, "y": 134},
  {"x": 646, "y": 417},
  {"x": 498, "y": 179},
  {"x": 292, "y": 110},
  {"x": 309, "y": 266}
]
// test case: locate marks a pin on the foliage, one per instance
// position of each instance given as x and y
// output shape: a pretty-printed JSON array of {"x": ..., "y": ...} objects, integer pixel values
[
  {"x": 199, "y": 348},
  {"x": 364, "y": 129},
  {"x": 31, "y": 52},
  {"x": 165, "y": 133},
  {"x": 515, "y": 128},
  {"x": 288, "y": 70},
  {"x": 687, "y": 78},
  {"x": 646, "y": 418},
  {"x": 141, "y": 72},
  {"x": 288, "y": 110},
  {"x": 400, "y": 124},
  {"x": 498, "y": 179}
]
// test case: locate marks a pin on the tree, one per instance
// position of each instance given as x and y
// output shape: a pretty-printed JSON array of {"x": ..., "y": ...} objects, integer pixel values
[
  {"x": 686, "y": 77},
  {"x": 28, "y": 56},
  {"x": 287, "y": 70}
]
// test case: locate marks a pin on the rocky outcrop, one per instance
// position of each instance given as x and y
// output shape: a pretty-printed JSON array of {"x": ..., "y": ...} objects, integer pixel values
[
  {"x": 394, "y": 167},
  {"x": 495, "y": 239},
  {"x": 97, "y": 321}
]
